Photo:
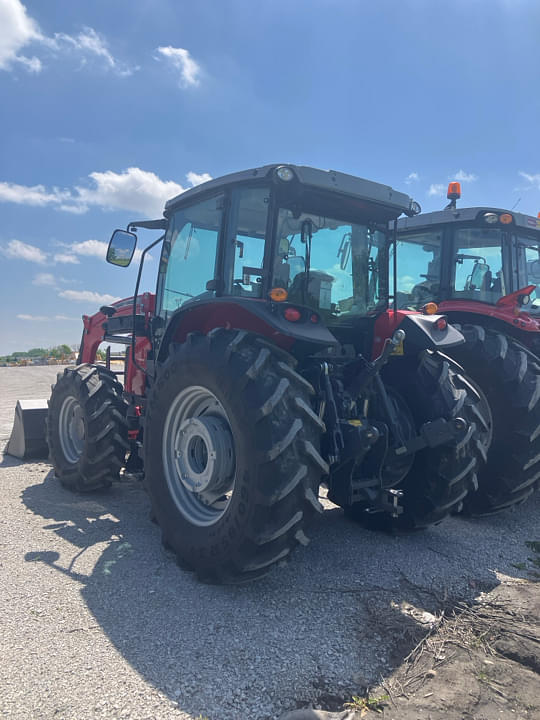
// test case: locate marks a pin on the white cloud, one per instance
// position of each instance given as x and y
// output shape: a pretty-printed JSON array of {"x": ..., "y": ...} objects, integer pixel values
[
  {"x": 17, "y": 31},
  {"x": 412, "y": 177},
  {"x": 134, "y": 189},
  {"x": 35, "y": 195},
  {"x": 437, "y": 189},
  {"x": 139, "y": 191},
  {"x": 66, "y": 258},
  {"x": 18, "y": 250},
  {"x": 462, "y": 176},
  {"x": 39, "y": 318},
  {"x": 95, "y": 248},
  {"x": 88, "y": 296},
  {"x": 88, "y": 43},
  {"x": 181, "y": 60},
  {"x": 196, "y": 179},
  {"x": 44, "y": 279},
  {"x": 532, "y": 179},
  {"x": 45, "y": 318}
]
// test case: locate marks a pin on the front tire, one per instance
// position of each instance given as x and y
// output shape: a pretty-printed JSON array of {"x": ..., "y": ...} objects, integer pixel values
[
  {"x": 87, "y": 430},
  {"x": 232, "y": 457}
]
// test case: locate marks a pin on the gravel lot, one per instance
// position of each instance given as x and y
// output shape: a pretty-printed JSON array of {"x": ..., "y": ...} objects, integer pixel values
[{"x": 99, "y": 622}]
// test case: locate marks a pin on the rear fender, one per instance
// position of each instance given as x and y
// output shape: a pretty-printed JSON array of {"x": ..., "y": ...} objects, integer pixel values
[
  {"x": 256, "y": 316},
  {"x": 519, "y": 323},
  {"x": 421, "y": 332}
]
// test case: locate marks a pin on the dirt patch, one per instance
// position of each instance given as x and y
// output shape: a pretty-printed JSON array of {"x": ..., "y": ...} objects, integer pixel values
[
  {"x": 476, "y": 661},
  {"x": 479, "y": 662}
]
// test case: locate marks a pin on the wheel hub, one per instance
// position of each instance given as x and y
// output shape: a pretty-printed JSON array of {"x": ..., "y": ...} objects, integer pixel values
[
  {"x": 199, "y": 461},
  {"x": 72, "y": 431},
  {"x": 204, "y": 452}
]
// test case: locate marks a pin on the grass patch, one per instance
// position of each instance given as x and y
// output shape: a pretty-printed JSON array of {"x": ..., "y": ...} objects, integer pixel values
[{"x": 366, "y": 704}]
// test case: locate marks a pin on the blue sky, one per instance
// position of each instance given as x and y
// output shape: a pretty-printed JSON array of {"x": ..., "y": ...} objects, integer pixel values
[{"x": 109, "y": 108}]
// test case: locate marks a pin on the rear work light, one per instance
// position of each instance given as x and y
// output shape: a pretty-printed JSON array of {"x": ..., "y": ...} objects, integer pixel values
[
  {"x": 504, "y": 218},
  {"x": 285, "y": 173},
  {"x": 292, "y": 315}
]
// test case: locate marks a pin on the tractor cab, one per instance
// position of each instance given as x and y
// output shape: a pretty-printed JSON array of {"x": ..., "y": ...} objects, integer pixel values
[
  {"x": 459, "y": 257},
  {"x": 303, "y": 251}
]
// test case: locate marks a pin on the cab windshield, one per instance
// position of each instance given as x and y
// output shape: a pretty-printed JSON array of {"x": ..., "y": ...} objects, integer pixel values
[
  {"x": 332, "y": 265},
  {"x": 470, "y": 267}
]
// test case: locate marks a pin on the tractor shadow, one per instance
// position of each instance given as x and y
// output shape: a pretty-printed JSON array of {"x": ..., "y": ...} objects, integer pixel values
[{"x": 333, "y": 620}]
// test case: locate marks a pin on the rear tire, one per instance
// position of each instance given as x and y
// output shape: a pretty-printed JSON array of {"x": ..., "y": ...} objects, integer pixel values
[
  {"x": 510, "y": 377},
  {"x": 87, "y": 428},
  {"x": 232, "y": 399},
  {"x": 440, "y": 478}
]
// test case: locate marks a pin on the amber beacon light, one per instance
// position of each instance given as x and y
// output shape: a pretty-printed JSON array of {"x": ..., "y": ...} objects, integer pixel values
[{"x": 454, "y": 191}]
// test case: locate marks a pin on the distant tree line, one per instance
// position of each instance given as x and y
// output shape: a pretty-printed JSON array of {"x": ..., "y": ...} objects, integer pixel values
[{"x": 57, "y": 352}]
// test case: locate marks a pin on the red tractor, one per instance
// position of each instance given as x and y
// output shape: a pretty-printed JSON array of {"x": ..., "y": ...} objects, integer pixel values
[
  {"x": 266, "y": 364},
  {"x": 481, "y": 266}
]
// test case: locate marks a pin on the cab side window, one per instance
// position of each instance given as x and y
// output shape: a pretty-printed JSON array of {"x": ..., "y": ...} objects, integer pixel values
[
  {"x": 249, "y": 214},
  {"x": 189, "y": 254}
]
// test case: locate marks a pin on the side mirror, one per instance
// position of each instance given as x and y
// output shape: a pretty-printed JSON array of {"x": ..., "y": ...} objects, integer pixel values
[
  {"x": 478, "y": 274},
  {"x": 121, "y": 248}
]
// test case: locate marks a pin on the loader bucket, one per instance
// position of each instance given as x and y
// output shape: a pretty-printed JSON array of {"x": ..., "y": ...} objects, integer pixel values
[{"x": 28, "y": 435}]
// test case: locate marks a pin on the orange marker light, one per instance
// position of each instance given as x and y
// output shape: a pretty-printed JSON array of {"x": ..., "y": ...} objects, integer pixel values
[
  {"x": 454, "y": 191},
  {"x": 505, "y": 218},
  {"x": 278, "y": 294},
  {"x": 430, "y": 308}
]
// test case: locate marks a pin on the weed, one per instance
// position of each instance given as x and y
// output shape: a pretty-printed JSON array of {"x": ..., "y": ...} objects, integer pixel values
[
  {"x": 519, "y": 565},
  {"x": 363, "y": 704}
]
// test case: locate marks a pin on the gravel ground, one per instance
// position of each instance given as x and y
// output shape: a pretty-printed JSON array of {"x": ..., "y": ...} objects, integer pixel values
[{"x": 99, "y": 622}]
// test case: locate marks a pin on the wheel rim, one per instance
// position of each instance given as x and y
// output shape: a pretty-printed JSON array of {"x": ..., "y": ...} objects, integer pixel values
[
  {"x": 198, "y": 456},
  {"x": 71, "y": 429}
]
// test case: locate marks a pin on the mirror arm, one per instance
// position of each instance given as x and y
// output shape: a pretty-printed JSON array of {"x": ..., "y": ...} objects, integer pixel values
[
  {"x": 160, "y": 224},
  {"x": 135, "y": 296}
]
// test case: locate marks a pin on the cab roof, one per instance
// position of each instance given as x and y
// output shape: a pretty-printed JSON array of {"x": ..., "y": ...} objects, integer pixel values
[
  {"x": 465, "y": 215},
  {"x": 330, "y": 180}
]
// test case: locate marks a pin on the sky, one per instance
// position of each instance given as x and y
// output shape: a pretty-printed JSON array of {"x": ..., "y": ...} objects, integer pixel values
[{"x": 109, "y": 109}]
